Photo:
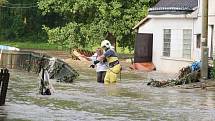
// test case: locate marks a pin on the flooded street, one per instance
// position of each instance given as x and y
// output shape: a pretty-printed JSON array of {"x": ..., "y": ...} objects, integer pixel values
[{"x": 85, "y": 99}]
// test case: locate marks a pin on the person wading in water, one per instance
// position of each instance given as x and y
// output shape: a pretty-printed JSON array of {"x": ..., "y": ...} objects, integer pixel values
[
  {"x": 113, "y": 62},
  {"x": 101, "y": 66}
]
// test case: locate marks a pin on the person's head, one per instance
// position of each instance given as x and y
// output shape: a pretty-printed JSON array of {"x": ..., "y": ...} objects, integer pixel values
[
  {"x": 105, "y": 44},
  {"x": 43, "y": 63},
  {"x": 99, "y": 51}
]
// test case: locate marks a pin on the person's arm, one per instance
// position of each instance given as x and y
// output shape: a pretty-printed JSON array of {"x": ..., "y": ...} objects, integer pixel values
[
  {"x": 94, "y": 60},
  {"x": 88, "y": 58},
  {"x": 105, "y": 55},
  {"x": 101, "y": 58}
]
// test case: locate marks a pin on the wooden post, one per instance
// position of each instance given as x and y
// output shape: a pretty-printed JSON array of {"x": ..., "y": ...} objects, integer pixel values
[
  {"x": 204, "y": 48},
  {"x": 4, "y": 85},
  {"x": 29, "y": 63},
  {"x": 2, "y": 59},
  {"x": 11, "y": 61}
]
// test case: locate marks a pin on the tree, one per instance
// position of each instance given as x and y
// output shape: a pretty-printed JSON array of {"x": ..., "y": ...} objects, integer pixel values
[
  {"x": 3, "y": 2},
  {"x": 86, "y": 22},
  {"x": 20, "y": 19}
]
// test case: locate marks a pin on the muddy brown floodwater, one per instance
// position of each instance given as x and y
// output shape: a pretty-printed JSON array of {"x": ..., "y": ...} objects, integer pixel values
[{"x": 86, "y": 100}]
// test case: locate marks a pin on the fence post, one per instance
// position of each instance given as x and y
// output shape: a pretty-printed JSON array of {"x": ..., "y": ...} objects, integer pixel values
[
  {"x": 11, "y": 61},
  {"x": 29, "y": 63},
  {"x": 4, "y": 85}
]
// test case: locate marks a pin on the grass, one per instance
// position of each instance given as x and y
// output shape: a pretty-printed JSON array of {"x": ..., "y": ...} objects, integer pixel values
[
  {"x": 40, "y": 45},
  {"x": 30, "y": 45}
]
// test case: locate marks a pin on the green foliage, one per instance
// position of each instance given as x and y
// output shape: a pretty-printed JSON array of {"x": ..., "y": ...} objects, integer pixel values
[
  {"x": 64, "y": 36},
  {"x": 3, "y": 2},
  {"x": 26, "y": 44},
  {"x": 21, "y": 19},
  {"x": 15, "y": 29},
  {"x": 86, "y": 22},
  {"x": 72, "y": 23}
]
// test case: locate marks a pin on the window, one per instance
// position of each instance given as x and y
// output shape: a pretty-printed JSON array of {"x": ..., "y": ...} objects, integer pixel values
[
  {"x": 187, "y": 38},
  {"x": 167, "y": 41},
  {"x": 198, "y": 40}
]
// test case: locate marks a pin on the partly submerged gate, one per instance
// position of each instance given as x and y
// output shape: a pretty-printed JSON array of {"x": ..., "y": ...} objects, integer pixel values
[{"x": 143, "y": 48}]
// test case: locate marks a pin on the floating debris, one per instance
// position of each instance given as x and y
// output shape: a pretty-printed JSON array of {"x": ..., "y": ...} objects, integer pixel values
[
  {"x": 58, "y": 69},
  {"x": 61, "y": 71}
]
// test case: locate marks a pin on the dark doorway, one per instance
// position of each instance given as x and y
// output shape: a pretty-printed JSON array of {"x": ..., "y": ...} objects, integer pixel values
[{"x": 143, "y": 48}]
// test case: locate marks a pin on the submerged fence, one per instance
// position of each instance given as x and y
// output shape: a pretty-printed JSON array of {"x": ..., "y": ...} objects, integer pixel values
[
  {"x": 21, "y": 60},
  {"x": 29, "y": 61}
]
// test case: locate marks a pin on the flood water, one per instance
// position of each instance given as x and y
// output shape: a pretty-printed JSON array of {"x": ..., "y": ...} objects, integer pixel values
[{"x": 87, "y": 100}]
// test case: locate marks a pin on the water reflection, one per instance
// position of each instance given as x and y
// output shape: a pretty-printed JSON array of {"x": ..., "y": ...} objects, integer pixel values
[
  {"x": 3, "y": 114},
  {"x": 112, "y": 90},
  {"x": 209, "y": 100},
  {"x": 88, "y": 100}
]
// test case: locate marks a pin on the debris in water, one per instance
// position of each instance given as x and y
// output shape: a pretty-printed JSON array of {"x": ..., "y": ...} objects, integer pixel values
[{"x": 189, "y": 74}]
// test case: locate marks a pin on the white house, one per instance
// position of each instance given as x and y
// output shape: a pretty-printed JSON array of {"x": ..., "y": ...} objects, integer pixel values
[{"x": 174, "y": 27}]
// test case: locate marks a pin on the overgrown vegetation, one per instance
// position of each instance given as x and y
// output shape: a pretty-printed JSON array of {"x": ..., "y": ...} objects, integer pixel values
[
  {"x": 72, "y": 23},
  {"x": 21, "y": 20},
  {"x": 31, "y": 45},
  {"x": 3, "y": 2},
  {"x": 212, "y": 71}
]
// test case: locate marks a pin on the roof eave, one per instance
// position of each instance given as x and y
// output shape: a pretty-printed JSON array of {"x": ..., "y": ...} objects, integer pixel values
[
  {"x": 170, "y": 9},
  {"x": 141, "y": 22},
  {"x": 171, "y": 14}
]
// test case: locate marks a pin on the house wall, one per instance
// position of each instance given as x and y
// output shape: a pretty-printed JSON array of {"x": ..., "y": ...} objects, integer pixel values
[
  {"x": 156, "y": 26},
  {"x": 177, "y": 23},
  {"x": 211, "y": 7},
  {"x": 211, "y": 23}
]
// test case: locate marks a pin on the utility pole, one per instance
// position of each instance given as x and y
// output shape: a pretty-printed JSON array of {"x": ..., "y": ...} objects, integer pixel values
[{"x": 204, "y": 40}]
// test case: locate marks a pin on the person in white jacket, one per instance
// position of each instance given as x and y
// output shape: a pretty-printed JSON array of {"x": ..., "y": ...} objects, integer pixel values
[{"x": 101, "y": 67}]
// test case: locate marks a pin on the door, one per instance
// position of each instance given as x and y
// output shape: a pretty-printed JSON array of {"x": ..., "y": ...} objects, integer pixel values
[{"x": 143, "y": 48}]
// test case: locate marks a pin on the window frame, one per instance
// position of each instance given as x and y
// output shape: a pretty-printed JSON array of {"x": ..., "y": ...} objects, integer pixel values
[
  {"x": 187, "y": 43},
  {"x": 167, "y": 33},
  {"x": 198, "y": 40}
]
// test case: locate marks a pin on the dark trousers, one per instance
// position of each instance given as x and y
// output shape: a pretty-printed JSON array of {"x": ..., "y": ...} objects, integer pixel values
[{"x": 101, "y": 76}]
